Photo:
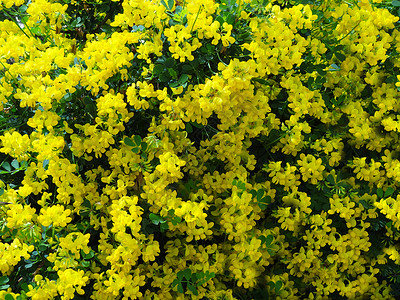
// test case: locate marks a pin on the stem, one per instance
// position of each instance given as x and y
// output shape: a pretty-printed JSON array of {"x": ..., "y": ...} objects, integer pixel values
[
  {"x": 8, "y": 71},
  {"x": 16, "y": 22},
  {"x": 29, "y": 29},
  {"x": 220, "y": 58},
  {"x": 349, "y": 32},
  {"x": 198, "y": 12}
]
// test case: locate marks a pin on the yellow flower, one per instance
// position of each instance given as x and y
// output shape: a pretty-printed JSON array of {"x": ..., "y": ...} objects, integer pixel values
[
  {"x": 19, "y": 215},
  {"x": 150, "y": 251},
  {"x": 16, "y": 145},
  {"x": 11, "y": 254},
  {"x": 74, "y": 242},
  {"x": 311, "y": 168},
  {"x": 70, "y": 281},
  {"x": 56, "y": 215}
]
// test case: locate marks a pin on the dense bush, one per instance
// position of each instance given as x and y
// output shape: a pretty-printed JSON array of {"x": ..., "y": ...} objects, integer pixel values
[{"x": 199, "y": 149}]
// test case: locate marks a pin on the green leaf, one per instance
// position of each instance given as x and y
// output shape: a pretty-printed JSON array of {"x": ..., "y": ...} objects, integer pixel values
[
  {"x": 271, "y": 284},
  {"x": 135, "y": 150},
  {"x": 156, "y": 219},
  {"x": 1, "y": 191},
  {"x": 4, "y": 280},
  {"x": 36, "y": 30},
  {"x": 365, "y": 204},
  {"x": 9, "y": 297},
  {"x": 89, "y": 255},
  {"x": 396, "y": 3},
  {"x": 174, "y": 85},
  {"x": 310, "y": 81},
  {"x": 169, "y": 63},
  {"x": 6, "y": 166},
  {"x": 278, "y": 286},
  {"x": 158, "y": 69},
  {"x": 379, "y": 192},
  {"x": 15, "y": 164},
  {"x": 388, "y": 192},
  {"x": 85, "y": 263},
  {"x": 178, "y": 10},
  {"x": 180, "y": 288},
  {"x": 90, "y": 109},
  {"x": 143, "y": 145},
  {"x": 165, "y": 4},
  {"x": 22, "y": 9},
  {"x": 268, "y": 240},
  {"x": 263, "y": 203},
  {"x": 183, "y": 79},
  {"x": 204, "y": 277},
  {"x": 176, "y": 220},
  {"x": 129, "y": 142},
  {"x": 196, "y": 276},
  {"x": 340, "y": 99},
  {"x": 260, "y": 80},
  {"x": 260, "y": 193},
  {"x": 164, "y": 227},
  {"x": 137, "y": 139},
  {"x": 320, "y": 80},
  {"x": 179, "y": 275},
  {"x": 230, "y": 19},
  {"x": 241, "y": 185},
  {"x": 310, "y": 69},
  {"x": 334, "y": 67},
  {"x": 46, "y": 164},
  {"x": 192, "y": 289},
  {"x": 338, "y": 48},
  {"x": 106, "y": 28},
  {"x": 42, "y": 247},
  {"x": 340, "y": 56},
  {"x": 220, "y": 19},
  {"x": 25, "y": 287},
  {"x": 262, "y": 206},
  {"x": 197, "y": 125},
  {"x": 143, "y": 155},
  {"x": 320, "y": 69},
  {"x": 321, "y": 72},
  {"x": 4, "y": 287},
  {"x": 187, "y": 273},
  {"x": 88, "y": 101},
  {"x": 391, "y": 79},
  {"x": 187, "y": 68},
  {"x": 331, "y": 179},
  {"x": 29, "y": 264},
  {"x": 173, "y": 73},
  {"x": 188, "y": 128}
]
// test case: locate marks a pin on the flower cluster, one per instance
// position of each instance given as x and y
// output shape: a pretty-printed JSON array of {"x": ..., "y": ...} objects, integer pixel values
[{"x": 199, "y": 149}]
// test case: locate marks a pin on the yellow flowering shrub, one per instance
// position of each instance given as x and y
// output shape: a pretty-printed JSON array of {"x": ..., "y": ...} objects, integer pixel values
[{"x": 215, "y": 149}]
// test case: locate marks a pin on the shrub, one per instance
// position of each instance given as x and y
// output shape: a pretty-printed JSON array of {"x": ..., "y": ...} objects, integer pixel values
[{"x": 201, "y": 149}]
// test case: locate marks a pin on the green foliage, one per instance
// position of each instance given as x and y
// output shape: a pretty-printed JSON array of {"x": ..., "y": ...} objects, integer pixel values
[
  {"x": 186, "y": 280},
  {"x": 144, "y": 144}
]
